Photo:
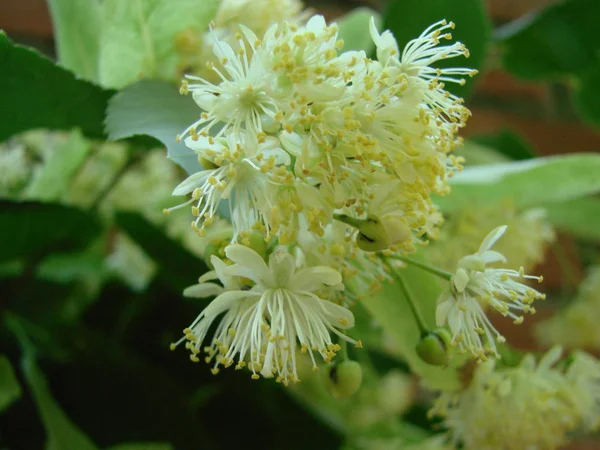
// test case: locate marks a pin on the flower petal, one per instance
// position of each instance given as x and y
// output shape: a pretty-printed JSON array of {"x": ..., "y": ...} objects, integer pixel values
[
  {"x": 282, "y": 267},
  {"x": 252, "y": 264},
  {"x": 203, "y": 290},
  {"x": 192, "y": 182},
  {"x": 314, "y": 278},
  {"x": 445, "y": 303},
  {"x": 492, "y": 256},
  {"x": 492, "y": 238}
]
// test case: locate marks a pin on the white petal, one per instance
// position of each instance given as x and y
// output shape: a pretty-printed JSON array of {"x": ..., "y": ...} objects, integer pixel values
[
  {"x": 282, "y": 267},
  {"x": 460, "y": 280},
  {"x": 491, "y": 256},
  {"x": 314, "y": 278},
  {"x": 208, "y": 276},
  {"x": 192, "y": 182},
  {"x": 256, "y": 268},
  {"x": 445, "y": 303},
  {"x": 492, "y": 238},
  {"x": 203, "y": 290},
  {"x": 224, "y": 302}
]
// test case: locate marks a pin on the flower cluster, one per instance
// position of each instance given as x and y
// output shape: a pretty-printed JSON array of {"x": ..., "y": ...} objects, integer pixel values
[
  {"x": 523, "y": 407},
  {"x": 326, "y": 156},
  {"x": 474, "y": 287},
  {"x": 575, "y": 325},
  {"x": 524, "y": 243}
]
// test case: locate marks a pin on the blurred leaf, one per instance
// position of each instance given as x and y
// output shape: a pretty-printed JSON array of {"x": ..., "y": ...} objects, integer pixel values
[
  {"x": 34, "y": 228},
  {"x": 391, "y": 309},
  {"x": 354, "y": 29},
  {"x": 36, "y": 93},
  {"x": 507, "y": 143},
  {"x": 61, "y": 432},
  {"x": 407, "y": 19},
  {"x": 54, "y": 178},
  {"x": 588, "y": 94},
  {"x": 178, "y": 266},
  {"x": 139, "y": 37},
  {"x": 10, "y": 389},
  {"x": 527, "y": 183},
  {"x": 477, "y": 154},
  {"x": 559, "y": 40},
  {"x": 157, "y": 109},
  {"x": 77, "y": 27},
  {"x": 579, "y": 217},
  {"x": 142, "y": 446}
]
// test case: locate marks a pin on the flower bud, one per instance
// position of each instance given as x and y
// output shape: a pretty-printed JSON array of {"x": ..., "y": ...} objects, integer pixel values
[
  {"x": 433, "y": 347},
  {"x": 343, "y": 380},
  {"x": 375, "y": 235}
]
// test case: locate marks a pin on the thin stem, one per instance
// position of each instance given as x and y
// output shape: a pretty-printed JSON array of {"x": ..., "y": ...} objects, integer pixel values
[
  {"x": 344, "y": 350},
  {"x": 348, "y": 220},
  {"x": 421, "y": 265},
  {"x": 118, "y": 176},
  {"x": 423, "y": 328}
]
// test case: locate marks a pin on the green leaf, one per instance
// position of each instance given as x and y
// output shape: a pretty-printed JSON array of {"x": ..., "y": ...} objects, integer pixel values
[
  {"x": 588, "y": 95},
  {"x": 77, "y": 26},
  {"x": 391, "y": 309},
  {"x": 61, "y": 432},
  {"x": 142, "y": 446},
  {"x": 10, "y": 389},
  {"x": 36, "y": 93},
  {"x": 54, "y": 178},
  {"x": 157, "y": 109},
  {"x": 579, "y": 217},
  {"x": 558, "y": 41},
  {"x": 178, "y": 267},
  {"x": 354, "y": 29},
  {"x": 139, "y": 36},
  {"x": 507, "y": 143},
  {"x": 36, "y": 229},
  {"x": 407, "y": 19},
  {"x": 527, "y": 183},
  {"x": 477, "y": 154}
]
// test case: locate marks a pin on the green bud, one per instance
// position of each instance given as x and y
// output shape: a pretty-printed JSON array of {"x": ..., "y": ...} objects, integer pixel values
[
  {"x": 434, "y": 346},
  {"x": 217, "y": 241},
  {"x": 372, "y": 235},
  {"x": 258, "y": 243},
  {"x": 344, "y": 379}
]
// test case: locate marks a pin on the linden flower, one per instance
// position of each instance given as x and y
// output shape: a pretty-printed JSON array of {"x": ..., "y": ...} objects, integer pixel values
[
  {"x": 583, "y": 375},
  {"x": 263, "y": 324},
  {"x": 474, "y": 285},
  {"x": 241, "y": 99},
  {"x": 237, "y": 169},
  {"x": 513, "y": 408}
]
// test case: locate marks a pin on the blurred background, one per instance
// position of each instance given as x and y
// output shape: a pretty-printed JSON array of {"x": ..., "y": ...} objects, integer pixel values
[{"x": 108, "y": 367}]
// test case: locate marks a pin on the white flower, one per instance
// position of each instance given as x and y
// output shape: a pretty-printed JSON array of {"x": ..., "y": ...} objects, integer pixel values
[
  {"x": 474, "y": 284},
  {"x": 239, "y": 168},
  {"x": 526, "y": 407},
  {"x": 265, "y": 320},
  {"x": 241, "y": 100}
]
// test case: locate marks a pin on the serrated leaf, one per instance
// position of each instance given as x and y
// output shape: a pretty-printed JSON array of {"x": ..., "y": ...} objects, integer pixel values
[
  {"x": 36, "y": 93},
  {"x": 35, "y": 229},
  {"x": 61, "y": 432},
  {"x": 77, "y": 27},
  {"x": 156, "y": 109},
  {"x": 391, "y": 309},
  {"x": 507, "y": 143},
  {"x": 407, "y": 19},
  {"x": 178, "y": 267},
  {"x": 354, "y": 29},
  {"x": 579, "y": 217},
  {"x": 10, "y": 388},
  {"x": 557, "y": 41},
  {"x": 139, "y": 37},
  {"x": 527, "y": 183},
  {"x": 142, "y": 446},
  {"x": 54, "y": 178}
]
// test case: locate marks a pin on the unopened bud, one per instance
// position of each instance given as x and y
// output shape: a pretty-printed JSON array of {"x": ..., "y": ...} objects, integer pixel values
[
  {"x": 343, "y": 380},
  {"x": 375, "y": 235},
  {"x": 434, "y": 346}
]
